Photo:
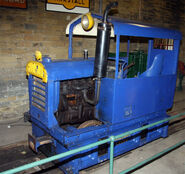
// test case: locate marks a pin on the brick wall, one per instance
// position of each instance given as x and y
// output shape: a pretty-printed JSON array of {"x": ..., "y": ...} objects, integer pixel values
[{"x": 24, "y": 31}]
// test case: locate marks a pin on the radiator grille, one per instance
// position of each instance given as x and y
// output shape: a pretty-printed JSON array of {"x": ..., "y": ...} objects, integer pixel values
[{"x": 38, "y": 94}]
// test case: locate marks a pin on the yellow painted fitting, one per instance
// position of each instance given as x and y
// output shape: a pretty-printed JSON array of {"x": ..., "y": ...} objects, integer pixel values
[
  {"x": 87, "y": 21},
  {"x": 38, "y": 56},
  {"x": 37, "y": 69}
]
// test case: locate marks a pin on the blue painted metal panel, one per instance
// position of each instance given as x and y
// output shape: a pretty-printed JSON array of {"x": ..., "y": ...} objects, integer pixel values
[
  {"x": 151, "y": 95},
  {"x": 134, "y": 97},
  {"x": 169, "y": 65},
  {"x": 66, "y": 69}
]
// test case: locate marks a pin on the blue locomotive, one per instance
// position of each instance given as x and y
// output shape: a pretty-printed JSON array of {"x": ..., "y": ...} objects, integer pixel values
[{"x": 76, "y": 102}]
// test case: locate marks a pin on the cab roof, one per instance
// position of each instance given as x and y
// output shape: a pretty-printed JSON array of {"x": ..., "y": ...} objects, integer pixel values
[
  {"x": 124, "y": 28},
  {"x": 131, "y": 28}
]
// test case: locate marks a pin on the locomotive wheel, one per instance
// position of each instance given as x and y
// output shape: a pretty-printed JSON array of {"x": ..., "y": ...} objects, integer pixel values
[{"x": 90, "y": 123}]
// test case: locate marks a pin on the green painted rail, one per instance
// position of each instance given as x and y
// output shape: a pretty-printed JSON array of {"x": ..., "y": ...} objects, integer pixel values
[
  {"x": 111, "y": 140},
  {"x": 153, "y": 157}
]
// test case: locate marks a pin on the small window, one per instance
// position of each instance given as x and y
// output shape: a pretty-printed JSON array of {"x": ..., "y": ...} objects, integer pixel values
[{"x": 164, "y": 44}]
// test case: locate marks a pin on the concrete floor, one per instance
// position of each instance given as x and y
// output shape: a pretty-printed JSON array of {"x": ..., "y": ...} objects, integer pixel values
[
  {"x": 14, "y": 132},
  {"x": 172, "y": 163}
]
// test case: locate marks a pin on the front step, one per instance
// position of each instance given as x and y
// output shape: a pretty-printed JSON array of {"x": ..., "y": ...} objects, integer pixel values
[{"x": 36, "y": 142}]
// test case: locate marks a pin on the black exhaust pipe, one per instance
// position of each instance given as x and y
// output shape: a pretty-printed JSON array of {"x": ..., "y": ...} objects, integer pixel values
[
  {"x": 102, "y": 44},
  {"x": 101, "y": 54}
]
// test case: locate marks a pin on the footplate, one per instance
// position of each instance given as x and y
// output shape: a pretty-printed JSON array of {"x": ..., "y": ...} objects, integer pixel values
[{"x": 34, "y": 143}]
